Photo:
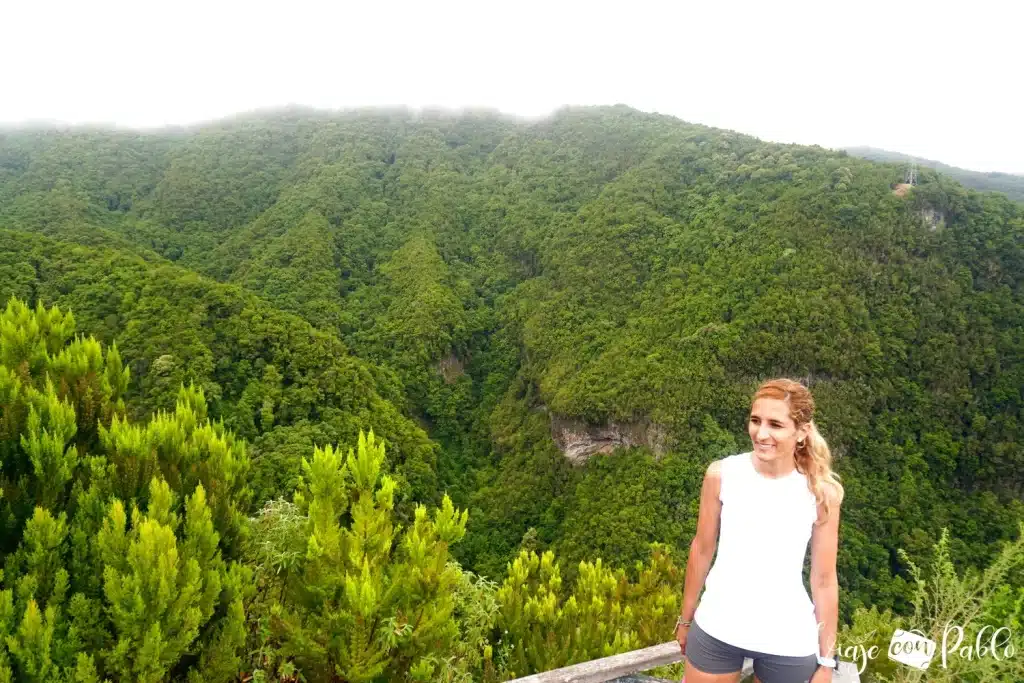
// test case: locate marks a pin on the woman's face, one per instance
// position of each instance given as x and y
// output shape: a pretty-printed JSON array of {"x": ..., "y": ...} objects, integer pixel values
[{"x": 772, "y": 431}]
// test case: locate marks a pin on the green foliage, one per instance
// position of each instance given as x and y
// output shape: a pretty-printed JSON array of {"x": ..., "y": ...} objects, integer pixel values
[
  {"x": 158, "y": 595},
  {"x": 265, "y": 373},
  {"x": 355, "y": 598},
  {"x": 87, "y": 596},
  {"x": 971, "y": 618},
  {"x": 465, "y": 284},
  {"x": 297, "y": 271},
  {"x": 187, "y": 451},
  {"x": 545, "y": 627},
  {"x": 1010, "y": 184},
  {"x": 943, "y": 598},
  {"x": 620, "y": 505},
  {"x": 864, "y": 642}
]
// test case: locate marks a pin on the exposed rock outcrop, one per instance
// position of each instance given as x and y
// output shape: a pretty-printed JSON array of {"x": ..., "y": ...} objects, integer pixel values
[
  {"x": 578, "y": 440},
  {"x": 451, "y": 368},
  {"x": 934, "y": 218}
]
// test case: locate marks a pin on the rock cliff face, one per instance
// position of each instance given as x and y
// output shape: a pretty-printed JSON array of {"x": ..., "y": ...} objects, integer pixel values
[
  {"x": 934, "y": 218},
  {"x": 451, "y": 368},
  {"x": 578, "y": 440}
]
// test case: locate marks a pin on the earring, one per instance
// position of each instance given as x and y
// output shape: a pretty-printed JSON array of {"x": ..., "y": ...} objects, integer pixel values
[{"x": 799, "y": 443}]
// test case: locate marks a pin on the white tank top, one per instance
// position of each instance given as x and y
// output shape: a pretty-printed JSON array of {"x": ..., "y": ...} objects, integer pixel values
[{"x": 754, "y": 596}]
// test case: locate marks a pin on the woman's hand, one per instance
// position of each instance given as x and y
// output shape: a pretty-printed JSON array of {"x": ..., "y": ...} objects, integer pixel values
[{"x": 681, "y": 634}]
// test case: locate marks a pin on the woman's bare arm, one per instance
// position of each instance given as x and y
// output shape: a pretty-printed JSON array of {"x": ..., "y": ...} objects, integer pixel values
[
  {"x": 702, "y": 548},
  {"x": 824, "y": 580}
]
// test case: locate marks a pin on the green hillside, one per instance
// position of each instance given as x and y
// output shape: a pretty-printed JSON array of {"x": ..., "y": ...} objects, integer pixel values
[
  {"x": 1010, "y": 184},
  {"x": 475, "y": 290}
]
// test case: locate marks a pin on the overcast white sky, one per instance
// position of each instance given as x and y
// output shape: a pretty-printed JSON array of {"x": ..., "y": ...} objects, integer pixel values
[{"x": 943, "y": 81}]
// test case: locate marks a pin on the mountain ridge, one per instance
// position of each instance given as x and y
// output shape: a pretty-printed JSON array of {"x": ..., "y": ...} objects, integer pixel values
[
  {"x": 602, "y": 266},
  {"x": 1010, "y": 184}
]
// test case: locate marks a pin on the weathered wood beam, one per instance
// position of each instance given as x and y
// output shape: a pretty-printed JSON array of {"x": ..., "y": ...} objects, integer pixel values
[
  {"x": 616, "y": 666},
  {"x": 609, "y": 668}
]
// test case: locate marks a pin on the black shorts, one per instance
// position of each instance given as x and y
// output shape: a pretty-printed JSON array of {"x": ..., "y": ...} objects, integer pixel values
[{"x": 712, "y": 656}]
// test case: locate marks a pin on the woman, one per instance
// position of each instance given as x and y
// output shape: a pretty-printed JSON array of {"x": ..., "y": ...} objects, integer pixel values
[{"x": 760, "y": 509}]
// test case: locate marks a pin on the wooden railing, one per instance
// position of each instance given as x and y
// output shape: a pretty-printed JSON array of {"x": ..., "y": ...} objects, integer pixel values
[
  {"x": 610, "y": 668},
  {"x": 621, "y": 665},
  {"x": 616, "y": 666}
]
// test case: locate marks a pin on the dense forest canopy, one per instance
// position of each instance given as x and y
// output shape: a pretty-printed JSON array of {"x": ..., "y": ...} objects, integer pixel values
[{"x": 253, "y": 295}]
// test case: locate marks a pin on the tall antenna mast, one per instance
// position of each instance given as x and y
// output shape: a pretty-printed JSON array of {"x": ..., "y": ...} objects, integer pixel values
[{"x": 911, "y": 176}]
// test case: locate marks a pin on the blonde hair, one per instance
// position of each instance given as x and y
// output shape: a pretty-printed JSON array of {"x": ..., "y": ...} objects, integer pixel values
[{"x": 813, "y": 457}]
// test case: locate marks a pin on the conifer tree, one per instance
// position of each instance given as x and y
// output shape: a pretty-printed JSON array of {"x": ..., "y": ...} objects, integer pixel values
[
  {"x": 546, "y": 627},
  {"x": 134, "y": 585},
  {"x": 360, "y": 600}
]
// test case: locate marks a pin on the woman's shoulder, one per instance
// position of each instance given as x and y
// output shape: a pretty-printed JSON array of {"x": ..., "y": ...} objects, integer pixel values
[
  {"x": 714, "y": 471},
  {"x": 832, "y": 493},
  {"x": 732, "y": 461},
  {"x": 736, "y": 457},
  {"x": 726, "y": 468}
]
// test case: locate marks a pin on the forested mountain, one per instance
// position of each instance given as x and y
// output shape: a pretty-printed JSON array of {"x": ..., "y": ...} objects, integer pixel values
[
  {"x": 489, "y": 297},
  {"x": 1010, "y": 184}
]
